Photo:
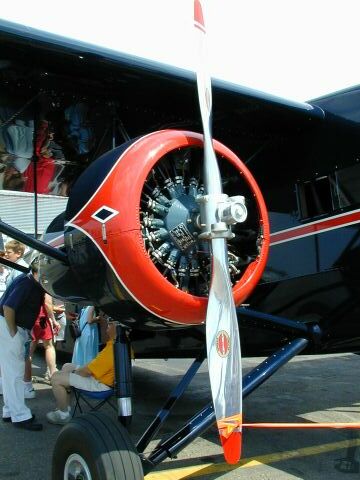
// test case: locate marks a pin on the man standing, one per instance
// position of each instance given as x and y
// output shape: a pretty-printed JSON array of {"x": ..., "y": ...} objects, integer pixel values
[
  {"x": 19, "y": 308},
  {"x": 14, "y": 251}
]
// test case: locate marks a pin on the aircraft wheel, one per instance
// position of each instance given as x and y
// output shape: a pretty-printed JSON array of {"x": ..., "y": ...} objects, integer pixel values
[{"x": 95, "y": 447}]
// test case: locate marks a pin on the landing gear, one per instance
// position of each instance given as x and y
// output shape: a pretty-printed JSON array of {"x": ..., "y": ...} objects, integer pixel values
[{"x": 94, "y": 447}]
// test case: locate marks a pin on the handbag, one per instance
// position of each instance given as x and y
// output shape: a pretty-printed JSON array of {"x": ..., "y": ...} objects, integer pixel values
[
  {"x": 75, "y": 330},
  {"x": 42, "y": 322},
  {"x": 43, "y": 317}
]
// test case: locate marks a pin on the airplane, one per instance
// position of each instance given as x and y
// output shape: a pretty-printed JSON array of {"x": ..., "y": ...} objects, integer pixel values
[{"x": 123, "y": 139}]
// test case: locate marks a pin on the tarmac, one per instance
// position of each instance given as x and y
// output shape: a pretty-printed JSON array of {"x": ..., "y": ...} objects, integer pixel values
[{"x": 308, "y": 389}]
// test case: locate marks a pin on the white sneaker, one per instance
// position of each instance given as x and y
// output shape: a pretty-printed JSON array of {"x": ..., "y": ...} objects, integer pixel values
[
  {"x": 57, "y": 417},
  {"x": 29, "y": 393}
]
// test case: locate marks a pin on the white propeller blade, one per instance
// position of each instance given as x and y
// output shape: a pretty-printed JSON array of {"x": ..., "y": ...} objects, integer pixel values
[{"x": 222, "y": 334}]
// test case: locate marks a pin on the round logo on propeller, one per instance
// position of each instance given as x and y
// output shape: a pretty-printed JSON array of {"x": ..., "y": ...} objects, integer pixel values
[{"x": 223, "y": 343}]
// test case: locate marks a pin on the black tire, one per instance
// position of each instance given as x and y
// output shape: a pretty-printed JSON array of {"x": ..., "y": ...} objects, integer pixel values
[{"x": 95, "y": 447}]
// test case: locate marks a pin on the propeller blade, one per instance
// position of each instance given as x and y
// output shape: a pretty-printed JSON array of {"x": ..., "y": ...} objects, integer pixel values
[
  {"x": 224, "y": 355},
  {"x": 222, "y": 333}
]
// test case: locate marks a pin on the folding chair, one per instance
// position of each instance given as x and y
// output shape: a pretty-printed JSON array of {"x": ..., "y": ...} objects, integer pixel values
[{"x": 94, "y": 400}]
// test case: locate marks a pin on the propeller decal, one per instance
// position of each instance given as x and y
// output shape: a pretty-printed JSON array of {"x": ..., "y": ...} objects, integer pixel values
[{"x": 223, "y": 343}]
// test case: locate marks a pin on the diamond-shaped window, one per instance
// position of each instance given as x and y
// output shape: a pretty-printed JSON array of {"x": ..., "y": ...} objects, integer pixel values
[{"x": 104, "y": 214}]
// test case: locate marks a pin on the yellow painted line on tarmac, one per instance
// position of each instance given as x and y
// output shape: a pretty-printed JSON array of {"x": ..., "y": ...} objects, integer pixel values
[{"x": 213, "y": 468}]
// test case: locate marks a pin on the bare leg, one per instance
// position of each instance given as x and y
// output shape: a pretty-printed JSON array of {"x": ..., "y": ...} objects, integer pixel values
[
  {"x": 50, "y": 356},
  {"x": 68, "y": 367},
  {"x": 28, "y": 368},
  {"x": 60, "y": 387}
]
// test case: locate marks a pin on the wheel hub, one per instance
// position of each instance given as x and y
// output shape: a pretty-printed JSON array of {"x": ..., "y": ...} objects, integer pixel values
[{"x": 76, "y": 468}]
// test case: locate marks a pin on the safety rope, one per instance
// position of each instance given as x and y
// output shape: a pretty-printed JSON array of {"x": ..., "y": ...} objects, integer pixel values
[{"x": 354, "y": 425}]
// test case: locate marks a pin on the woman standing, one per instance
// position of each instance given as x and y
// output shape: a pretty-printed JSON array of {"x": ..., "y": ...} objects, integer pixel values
[
  {"x": 44, "y": 330},
  {"x": 86, "y": 346}
]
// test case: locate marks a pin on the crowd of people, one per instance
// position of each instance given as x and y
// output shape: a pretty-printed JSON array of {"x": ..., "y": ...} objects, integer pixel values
[
  {"x": 44, "y": 142},
  {"x": 28, "y": 316}
]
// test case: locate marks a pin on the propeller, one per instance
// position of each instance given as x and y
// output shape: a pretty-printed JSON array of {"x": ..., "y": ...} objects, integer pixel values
[{"x": 217, "y": 212}]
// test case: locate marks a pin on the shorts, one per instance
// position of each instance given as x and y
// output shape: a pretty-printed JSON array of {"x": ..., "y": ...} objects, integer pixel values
[
  {"x": 39, "y": 333},
  {"x": 87, "y": 383}
]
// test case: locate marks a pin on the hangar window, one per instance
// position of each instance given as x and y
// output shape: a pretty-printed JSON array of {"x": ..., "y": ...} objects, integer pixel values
[{"x": 315, "y": 197}]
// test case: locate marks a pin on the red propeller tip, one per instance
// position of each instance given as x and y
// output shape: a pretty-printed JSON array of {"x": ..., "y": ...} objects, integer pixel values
[
  {"x": 198, "y": 16},
  {"x": 232, "y": 447},
  {"x": 230, "y": 433}
]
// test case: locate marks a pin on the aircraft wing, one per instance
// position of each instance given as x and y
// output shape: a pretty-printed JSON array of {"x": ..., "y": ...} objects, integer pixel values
[{"x": 164, "y": 95}]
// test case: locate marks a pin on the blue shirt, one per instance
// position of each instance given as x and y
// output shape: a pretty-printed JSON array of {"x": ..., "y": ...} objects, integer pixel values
[{"x": 24, "y": 295}]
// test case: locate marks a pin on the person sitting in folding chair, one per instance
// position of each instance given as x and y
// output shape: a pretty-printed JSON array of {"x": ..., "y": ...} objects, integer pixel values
[{"x": 96, "y": 376}]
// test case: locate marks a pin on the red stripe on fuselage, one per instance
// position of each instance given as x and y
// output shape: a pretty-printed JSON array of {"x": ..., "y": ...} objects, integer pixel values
[{"x": 313, "y": 228}]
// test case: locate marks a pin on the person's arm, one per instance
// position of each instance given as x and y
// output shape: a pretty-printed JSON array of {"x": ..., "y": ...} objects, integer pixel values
[
  {"x": 83, "y": 371},
  {"x": 90, "y": 315},
  {"x": 59, "y": 308},
  {"x": 93, "y": 320},
  {"x": 48, "y": 304},
  {"x": 9, "y": 315}
]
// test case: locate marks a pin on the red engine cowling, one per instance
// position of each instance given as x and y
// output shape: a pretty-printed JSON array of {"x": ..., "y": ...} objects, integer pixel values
[{"x": 132, "y": 225}]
